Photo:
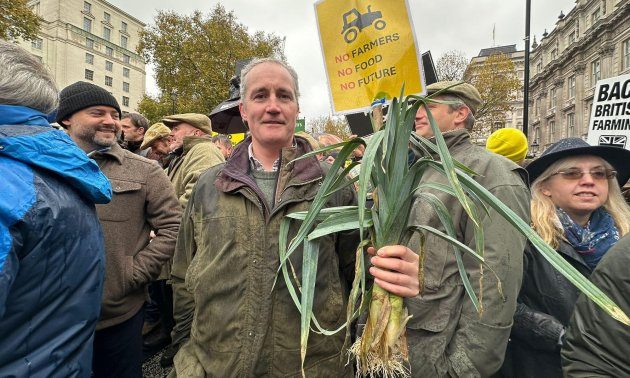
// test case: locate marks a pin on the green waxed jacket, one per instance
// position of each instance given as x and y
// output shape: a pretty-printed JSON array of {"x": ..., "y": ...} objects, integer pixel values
[
  {"x": 596, "y": 344},
  {"x": 224, "y": 268},
  {"x": 446, "y": 336},
  {"x": 197, "y": 155}
]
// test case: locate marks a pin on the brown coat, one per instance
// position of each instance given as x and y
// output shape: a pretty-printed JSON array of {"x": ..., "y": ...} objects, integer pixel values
[{"x": 143, "y": 200}]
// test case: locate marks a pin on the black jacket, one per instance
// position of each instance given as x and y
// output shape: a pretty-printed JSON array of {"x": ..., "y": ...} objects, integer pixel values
[{"x": 545, "y": 305}]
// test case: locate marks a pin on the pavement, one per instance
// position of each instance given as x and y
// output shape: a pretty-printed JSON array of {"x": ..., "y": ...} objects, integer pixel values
[
  {"x": 151, "y": 367},
  {"x": 151, "y": 358}
]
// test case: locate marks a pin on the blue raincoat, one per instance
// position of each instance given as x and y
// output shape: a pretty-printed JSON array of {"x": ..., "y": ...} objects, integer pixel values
[{"x": 51, "y": 249}]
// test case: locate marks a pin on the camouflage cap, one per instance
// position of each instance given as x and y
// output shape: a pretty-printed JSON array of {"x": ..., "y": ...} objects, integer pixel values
[
  {"x": 155, "y": 132},
  {"x": 466, "y": 92},
  {"x": 199, "y": 121}
]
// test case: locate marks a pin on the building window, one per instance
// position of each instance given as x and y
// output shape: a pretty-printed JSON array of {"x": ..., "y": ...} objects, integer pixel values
[
  {"x": 87, "y": 24},
  {"x": 570, "y": 124},
  {"x": 536, "y": 135},
  {"x": 571, "y": 87},
  {"x": 123, "y": 41},
  {"x": 595, "y": 16},
  {"x": 554, "y": 54},
  {"x": 552, "y": 130},
  {"x": 109, "y": 51},
  {"x": 37, "y": 43},
  {"x": 125, "y": 72},
  {"x": 123, "y": 26},
  {"x": 125, "y": 86},
  {"x": 107, "y": 17},
  {"x": 538, "y": 107},
  {"x": 596, "y": 72},
  {"x": 89, "y": 43},
  {"x": 552, "y": 98},
  {"x": 109, "y": 66},
  {"x": 87, "y": 7},
  {"x": 125, "y": 101},
  {"x": 571, "y": 38},
  {"x": 126, "y": 58},
  {"x": 109, "y": 81},
  {"x": 89, "y": 58},
  {"x": 626, "y": 54},
  {"x": 89, "y": 75},
  {"x": 107, "y": 33},
  {"x": 539, "y": 66}
]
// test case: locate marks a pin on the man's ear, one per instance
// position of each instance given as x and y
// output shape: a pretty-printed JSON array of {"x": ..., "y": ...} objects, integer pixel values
[
  {"x": 241, "y": 109},
  {"x": 65, "y": 123},
  {"x": 143, "y": 130},
  {"x": 462, "y": 114}
]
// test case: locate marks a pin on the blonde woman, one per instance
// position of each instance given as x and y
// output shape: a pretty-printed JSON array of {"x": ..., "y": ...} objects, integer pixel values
[{"x": 578, "y": 208}]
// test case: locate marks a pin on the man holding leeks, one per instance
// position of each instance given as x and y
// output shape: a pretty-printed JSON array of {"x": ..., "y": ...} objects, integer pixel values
[
  {"x": 226, "y": 259},
  {"x": 448, "y": 335}
]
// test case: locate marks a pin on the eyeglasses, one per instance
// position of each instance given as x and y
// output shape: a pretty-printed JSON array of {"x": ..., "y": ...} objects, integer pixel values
[{"x": 596, "y": 174}]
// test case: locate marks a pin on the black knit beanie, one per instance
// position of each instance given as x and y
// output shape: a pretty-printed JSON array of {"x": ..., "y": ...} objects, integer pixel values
[{"x": 81, "y": 95}]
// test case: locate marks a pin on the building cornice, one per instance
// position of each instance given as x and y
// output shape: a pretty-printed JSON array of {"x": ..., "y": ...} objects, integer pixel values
[{"x": 127, "y": 15}]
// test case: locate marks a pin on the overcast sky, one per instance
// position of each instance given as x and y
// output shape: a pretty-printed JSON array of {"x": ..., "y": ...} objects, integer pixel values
[{"x": 440, "y": 25}]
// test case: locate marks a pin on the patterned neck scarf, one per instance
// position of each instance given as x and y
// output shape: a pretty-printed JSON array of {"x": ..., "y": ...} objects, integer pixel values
[{"x": 593, "y": 240}]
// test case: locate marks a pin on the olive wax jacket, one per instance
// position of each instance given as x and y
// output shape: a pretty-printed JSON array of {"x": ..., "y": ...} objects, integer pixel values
[
  {"x": 446, "y": 335},
  {"x": 227, "y": 256}
]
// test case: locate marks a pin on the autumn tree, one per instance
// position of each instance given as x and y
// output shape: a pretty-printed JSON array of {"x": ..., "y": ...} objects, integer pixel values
[
  {"x": 331, "y": 125},
  {"x": 196, "y": 56},
  {"x": 498, "y": 85},
  {"x": 451, "y": 65},
  {"x": 17, "y": 20},
  {"x": 154, "y": 109}
]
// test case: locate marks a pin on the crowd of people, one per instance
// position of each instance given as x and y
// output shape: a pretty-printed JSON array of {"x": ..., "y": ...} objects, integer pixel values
[{"x": 111, "y": 228}]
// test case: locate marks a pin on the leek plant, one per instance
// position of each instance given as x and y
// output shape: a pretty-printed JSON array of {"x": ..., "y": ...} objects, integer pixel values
[{"x": 381, "y": 350}]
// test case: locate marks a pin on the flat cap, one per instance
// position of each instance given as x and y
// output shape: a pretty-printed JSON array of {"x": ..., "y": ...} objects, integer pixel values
[
  {"x": 466, "y": 92},
  {"x": 199, "y": 121},
  {"x": 155, "y": 132}
]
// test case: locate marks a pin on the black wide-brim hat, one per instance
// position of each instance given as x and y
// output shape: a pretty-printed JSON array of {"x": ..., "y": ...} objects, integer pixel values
[{"x": 618, "y": 157}]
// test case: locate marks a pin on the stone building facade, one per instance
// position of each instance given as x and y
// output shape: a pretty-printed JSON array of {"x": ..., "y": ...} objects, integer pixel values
[
  {"x": 590, "y": 43},
  {"x": 91, "y": 41}
]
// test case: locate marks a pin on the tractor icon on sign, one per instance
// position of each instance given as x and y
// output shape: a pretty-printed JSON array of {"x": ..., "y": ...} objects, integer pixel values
[{"x": 354, "y": 22}]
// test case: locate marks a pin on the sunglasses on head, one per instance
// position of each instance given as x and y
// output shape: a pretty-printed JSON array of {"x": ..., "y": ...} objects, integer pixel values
[{"x": 596, "y": 173}]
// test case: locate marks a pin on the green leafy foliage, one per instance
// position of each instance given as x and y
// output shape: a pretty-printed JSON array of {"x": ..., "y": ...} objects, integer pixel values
[
  {"x": 196, "y": 56},
  {"x": 17, "y": 20}
]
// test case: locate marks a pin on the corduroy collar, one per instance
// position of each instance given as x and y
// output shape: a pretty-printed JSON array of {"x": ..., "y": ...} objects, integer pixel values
[{"x": 114, "y": 152}]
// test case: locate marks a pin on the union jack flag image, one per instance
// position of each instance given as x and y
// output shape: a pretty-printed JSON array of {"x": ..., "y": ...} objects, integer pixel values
[{"x": 613, "y": 140}]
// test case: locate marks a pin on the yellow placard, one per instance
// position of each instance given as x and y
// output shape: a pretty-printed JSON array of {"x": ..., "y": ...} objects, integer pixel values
[{"x": 369, "y": 51}]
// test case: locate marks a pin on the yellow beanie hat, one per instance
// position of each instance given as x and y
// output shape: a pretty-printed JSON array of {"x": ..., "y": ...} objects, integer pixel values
[{"x": 509, "y": 142}]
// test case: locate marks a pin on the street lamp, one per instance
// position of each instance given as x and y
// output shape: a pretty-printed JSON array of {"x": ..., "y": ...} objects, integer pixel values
[
  {"x": 174, "y": 99},
  {"x": 534, "y": 147},
  {"x": 528, "y": 5}
]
